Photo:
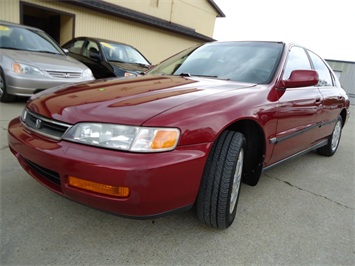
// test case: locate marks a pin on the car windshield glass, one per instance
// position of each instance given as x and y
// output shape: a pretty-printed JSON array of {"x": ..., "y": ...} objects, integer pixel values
[
  {"x": 122, "y": 53},
  {"x": 17, "y": 38},
  {"x": 252, "y": 62}
]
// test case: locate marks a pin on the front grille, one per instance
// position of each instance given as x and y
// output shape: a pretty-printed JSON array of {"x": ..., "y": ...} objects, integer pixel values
[
  {"x": 45, "y": 126},
  {"x": 57, "y": 74},
  {"x": 46, "y": 173}
]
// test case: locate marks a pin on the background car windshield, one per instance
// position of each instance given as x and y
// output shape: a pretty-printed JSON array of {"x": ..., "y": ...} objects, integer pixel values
[
  {"x": 252, "y": 62},
  {"x": 122, "y": 53},
  {"x": 12, "y": 37}
]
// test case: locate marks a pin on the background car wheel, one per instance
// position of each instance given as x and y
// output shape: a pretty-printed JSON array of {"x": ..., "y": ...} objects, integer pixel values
[
  {"x": 333, "y": 140},
  {"x": 4, "y": 96},
  {"x": 220, "y": 185}
]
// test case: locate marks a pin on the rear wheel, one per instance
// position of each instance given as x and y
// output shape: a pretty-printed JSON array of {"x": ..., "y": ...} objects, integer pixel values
[
  {"x": 4, "y": 96},
  {"x": 220, "y": 185},
  {"x": 333, "y": 140}
]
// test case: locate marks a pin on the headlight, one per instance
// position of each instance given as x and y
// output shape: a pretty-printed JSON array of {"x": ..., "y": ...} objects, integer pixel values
[
  {"x": 24, "y": 114},
  {"x": 87, "y": 73},
  {"x": 121, "y": 137},
  {"x": 128, "y": 74},
  {"x": 26, "y": 69}
]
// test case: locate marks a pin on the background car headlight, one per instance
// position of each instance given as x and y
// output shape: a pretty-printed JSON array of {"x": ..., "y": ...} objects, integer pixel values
[
  {"x": 87, "y": 73},
  {"x": 121, "y": 137},
  {"x": 26, "y": 69},
  {"x": 128, "y": 74}
]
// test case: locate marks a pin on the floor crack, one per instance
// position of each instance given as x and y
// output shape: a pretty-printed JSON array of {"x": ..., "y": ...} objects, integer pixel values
[{"x": 317, "y": 195}]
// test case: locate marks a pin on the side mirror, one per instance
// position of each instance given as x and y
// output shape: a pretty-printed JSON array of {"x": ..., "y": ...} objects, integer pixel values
[
  {"x": 66, "y": 51},
  {"x": 94, "y": 53},
  {"x": 300, "y": 78}
]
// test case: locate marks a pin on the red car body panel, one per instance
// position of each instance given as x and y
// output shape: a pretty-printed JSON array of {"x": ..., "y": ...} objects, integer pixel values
[
  {"x": 291, "y": 120},
  {"x": 159, "y": 182},
  {"x": 131, "y": 101}
]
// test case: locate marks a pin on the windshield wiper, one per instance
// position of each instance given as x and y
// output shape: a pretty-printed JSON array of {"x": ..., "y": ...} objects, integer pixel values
[
  {"x": 11, "y": 48},
  {"x": 141, "y": 64},
  {"x": 186, "y": 74},
  {"x": 43, "y": 51},
  {"x": 206, "y": 76},
  {"x": 118, "y": 61}
]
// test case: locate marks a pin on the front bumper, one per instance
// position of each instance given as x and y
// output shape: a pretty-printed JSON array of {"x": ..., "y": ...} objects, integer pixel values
[
  {"x": 159, "y": 182},
  {"x": 26, "y": 85}
]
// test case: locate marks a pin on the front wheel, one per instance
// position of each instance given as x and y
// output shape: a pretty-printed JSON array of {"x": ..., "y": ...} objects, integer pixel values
[
  {"x": 220, "y": 185},
  {"x": 4, "y": 96},
  {"x": 333, "y": 140}
]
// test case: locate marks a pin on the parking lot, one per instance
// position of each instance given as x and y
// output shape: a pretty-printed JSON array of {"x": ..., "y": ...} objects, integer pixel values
[{"x": 300, "y": 213}]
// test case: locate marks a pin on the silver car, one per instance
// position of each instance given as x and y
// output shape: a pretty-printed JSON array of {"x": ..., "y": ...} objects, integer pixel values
[{"x": 31, "y": 61}]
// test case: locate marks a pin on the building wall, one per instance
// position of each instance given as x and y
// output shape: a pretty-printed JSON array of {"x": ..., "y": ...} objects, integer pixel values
[
  {"x": 196, "y": 14},
  {"x": 155, "y": 44},
  {"x": 346, "y": 74},
  {"x": 10, "y": 10}
]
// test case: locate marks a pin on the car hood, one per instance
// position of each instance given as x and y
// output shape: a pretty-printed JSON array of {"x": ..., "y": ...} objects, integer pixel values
[
  {"x": 45, "y": 61},
  {"x": 126, "y": 101}
]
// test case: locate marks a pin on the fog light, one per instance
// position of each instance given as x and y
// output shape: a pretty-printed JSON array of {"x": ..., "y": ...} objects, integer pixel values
[{"x": 99, "y": 188}]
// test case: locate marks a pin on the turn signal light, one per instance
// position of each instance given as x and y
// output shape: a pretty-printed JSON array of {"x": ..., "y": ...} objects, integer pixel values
[
  {"x": 17, "y": 68},
  {"x": 165, "y": 139},
  {"x": 99, "y": 188}
]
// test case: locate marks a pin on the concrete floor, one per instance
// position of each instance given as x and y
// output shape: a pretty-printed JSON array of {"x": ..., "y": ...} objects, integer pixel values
[{"x": 300, "y": 213}]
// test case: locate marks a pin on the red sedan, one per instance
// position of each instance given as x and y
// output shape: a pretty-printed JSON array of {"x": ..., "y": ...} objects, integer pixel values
[{"x": 186, "y": 133}]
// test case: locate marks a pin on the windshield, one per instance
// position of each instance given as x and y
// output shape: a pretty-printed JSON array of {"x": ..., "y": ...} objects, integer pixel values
[
  {"x": 122, "y": 53},
  {"x": 252, "y": 62},
  {"x": 17, "y": 38}
]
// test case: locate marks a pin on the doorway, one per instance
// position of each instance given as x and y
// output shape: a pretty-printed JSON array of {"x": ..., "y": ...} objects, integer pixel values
[{"x": 58, "y": 24}]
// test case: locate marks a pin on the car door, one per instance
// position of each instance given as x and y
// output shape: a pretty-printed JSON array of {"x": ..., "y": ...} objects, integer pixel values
[
  {"x": 298, "y": 111},
  {"x": 79, "y": 49},
  {"x": 97, "y": 64},
  {"x": 332, "y": 98}
]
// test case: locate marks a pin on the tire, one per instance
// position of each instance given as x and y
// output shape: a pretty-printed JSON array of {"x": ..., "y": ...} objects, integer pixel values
[
  {"x": 218, "y": 196},
  {"x": 4, "y": 96},
  {"x": 333, "y": 140}
]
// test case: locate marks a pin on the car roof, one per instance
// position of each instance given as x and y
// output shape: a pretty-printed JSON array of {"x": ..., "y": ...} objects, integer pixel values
[
  {"x": 287, "y": 43},
  {"x": 7, "y": 23},
  {"x": 101, "y": 40}
]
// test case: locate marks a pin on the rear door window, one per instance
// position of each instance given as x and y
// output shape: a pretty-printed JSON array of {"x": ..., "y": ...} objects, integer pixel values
[{"x": 325, "y": 78}]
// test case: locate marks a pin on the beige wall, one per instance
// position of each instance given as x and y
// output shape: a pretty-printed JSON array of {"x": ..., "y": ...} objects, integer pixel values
[
  {"x": 154, "y": 43},
  {"x": 196, "y": 14},
  {"x": 10, "y": 10}
]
